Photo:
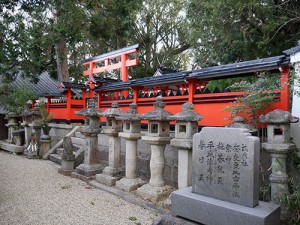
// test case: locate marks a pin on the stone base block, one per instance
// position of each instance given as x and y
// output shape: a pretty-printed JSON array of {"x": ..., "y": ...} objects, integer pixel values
[
  {"x": 11, "y": 147},
  {"x": 128, "y": 185},
  {"x": 111, "y": 171},
  {"x": 154, "y": 194},
  {"x": 89, "y": 170},
  {"x": 211, "y": 211},
  {"x": 67, "y": 165},
  {"x": 65, "y": 172},
  {"x": 106, "y": 180},
  {"x": 81, "y": 177},
  {"x": 32, "y": 155}
]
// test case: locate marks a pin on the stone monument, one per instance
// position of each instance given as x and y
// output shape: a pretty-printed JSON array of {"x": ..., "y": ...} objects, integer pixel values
[
  {"x": 157, "y": 137},
  {"x": 67, "y": 157},
  {"x": 225, "y": 182},
  {"x": 34, "y": 147},
  {"x": 90, "y": 166},
  {"x": 278, "y": 144},
  {"x": 27, "y": 120},
  {"x": 186, "y": 126},
  {"x": 12, "y": 123},
  {"x": 112, "y": 172},
  {"x": 131, "y": 132}
]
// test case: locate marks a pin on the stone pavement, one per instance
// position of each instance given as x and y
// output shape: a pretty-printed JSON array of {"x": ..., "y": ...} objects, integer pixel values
[{"x": 33, "y": 192}]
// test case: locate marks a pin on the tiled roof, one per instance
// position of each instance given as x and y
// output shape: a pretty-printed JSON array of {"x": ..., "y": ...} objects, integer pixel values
[{"x": 44, "y": 87}]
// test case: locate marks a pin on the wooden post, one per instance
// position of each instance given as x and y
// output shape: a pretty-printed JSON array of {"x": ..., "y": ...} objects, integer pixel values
[
  {"x": 124, "y": 69},
  {"x": 192, "y": 89},
  {"x": 69, "y": 99},
  {"x": 48, "y": 104},
  {"x": 285, "y": 88},
  {"x": 84, "y": 97}
]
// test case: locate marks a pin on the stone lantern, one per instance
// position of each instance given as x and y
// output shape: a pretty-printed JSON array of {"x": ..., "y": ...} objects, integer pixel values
[
  {"x": 34, "y": 146},
  {"x": 12, "y": 123},
  {"x": 278, "y": 145},
  {"x": 186, "y": 126},
  {"x": 157, "y": 137},
  {"x": 131, "y": 132},
  {"x": 112, "y": 129},
  {"x": 90, "y": 167},
  {"x": 240, "y": 122},
  {"x": 27, "y": 120}
]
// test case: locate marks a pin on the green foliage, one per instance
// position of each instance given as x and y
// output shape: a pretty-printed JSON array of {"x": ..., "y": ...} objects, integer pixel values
[
  {"x": 228, "y": 31},
  {"x": 258, "y": 97},
  {"x": 46, "y": 117},
  {"x": 132, "y": 218},
  {"x": 15, "y": 100}
]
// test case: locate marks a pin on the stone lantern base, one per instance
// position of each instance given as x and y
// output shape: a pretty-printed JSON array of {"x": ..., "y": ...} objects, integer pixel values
[
  {"x": 109, "y": 176},
  {"x": 154, "y": 194},
  {"x": 87, "y": 172},
  {"x": 127, "y": 184},
  {"x": 67, "y": 167}
]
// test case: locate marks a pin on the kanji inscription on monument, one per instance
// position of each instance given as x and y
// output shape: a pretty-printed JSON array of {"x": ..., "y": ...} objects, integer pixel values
[{"x": 226, "y": 165}]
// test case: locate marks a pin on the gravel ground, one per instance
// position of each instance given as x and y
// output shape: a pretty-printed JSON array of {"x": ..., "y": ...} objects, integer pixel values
[{"x": 33, "y": 192}]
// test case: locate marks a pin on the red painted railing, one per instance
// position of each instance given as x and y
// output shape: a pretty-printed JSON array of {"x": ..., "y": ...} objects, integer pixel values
[{"x": 209, "y": 105}]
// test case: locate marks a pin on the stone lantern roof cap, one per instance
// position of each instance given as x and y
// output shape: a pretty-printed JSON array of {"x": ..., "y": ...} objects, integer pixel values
[
  {"x": 278, "y": 117},
  {"x": 91, "y": 109},
  {"x": 158, "y": 114},
  {"x": 131, "y": 115},
  {"x": 10, "y": 114},
  {"x": 114, "y": 111},
  {"x": 36, "y": 109},
  {"x": 26, "y": 111},
  {"x": 89, "y": 112},
  {"x": 240, "y": 122},
  {"x": 188, "y": 114}
]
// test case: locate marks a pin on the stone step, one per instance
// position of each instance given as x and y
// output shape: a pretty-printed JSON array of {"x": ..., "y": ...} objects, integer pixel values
[
  {"x": 79, "y": 135},
  {"x": 55, "y": 158},
  {"x": 77, "y": 141}
]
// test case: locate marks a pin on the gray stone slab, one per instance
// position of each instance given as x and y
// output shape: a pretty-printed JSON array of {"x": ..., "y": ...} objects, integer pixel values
[
  {"x": 168, "y": 219},
  {"x": 226, "y": 165},
  {"x": 11, "y": 147},
  {"x": 211, "y": 211}
]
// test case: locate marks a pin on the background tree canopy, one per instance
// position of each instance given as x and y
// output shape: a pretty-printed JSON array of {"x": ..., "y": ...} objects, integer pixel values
[{"x": 55, "y": 35}]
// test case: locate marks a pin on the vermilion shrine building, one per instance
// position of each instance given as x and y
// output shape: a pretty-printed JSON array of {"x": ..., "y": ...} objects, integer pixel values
[{"x": 177, "y": 87}]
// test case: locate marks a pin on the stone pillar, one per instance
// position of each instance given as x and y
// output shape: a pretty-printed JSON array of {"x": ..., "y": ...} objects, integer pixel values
[
  {"x": 157, "y": 137},
  {"x": 112, "y": 172},
  {"x": 12, "y": 123},
  {"x": 131, "y": 132},
  {"x": 278, "y": 145},
  {"x": 295, "y": 128},
  {"x": 27, "y": 120},
  {"x": 90, "y": 167},
  {"x": 45, "y": 145},
  {"x": 186, "y": 126}
]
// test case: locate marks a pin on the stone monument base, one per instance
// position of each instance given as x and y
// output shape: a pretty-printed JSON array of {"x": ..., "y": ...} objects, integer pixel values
[
  {"x": 106, "y": 179},
  {"x": 154, "y": 194},
  {"x": 81, "y": 177},
  {"x": 129, "y": 185},
  {"x": 89, "y": 170},
  {"x": 212, "y": 211},
  {"x": 67, "y": 167}
]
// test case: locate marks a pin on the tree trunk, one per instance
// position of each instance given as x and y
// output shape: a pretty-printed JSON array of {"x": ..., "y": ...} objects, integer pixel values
[{"x": 62, "y": 60}]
